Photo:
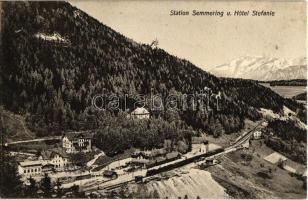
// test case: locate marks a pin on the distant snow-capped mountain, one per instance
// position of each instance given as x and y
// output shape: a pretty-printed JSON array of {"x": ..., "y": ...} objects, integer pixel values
[{"x": 263, "y": 69}]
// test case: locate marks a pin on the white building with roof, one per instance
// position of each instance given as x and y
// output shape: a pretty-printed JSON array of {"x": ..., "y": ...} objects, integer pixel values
[
  {"x": 48, "y": 161},
  {"x": 74, "y": 142},
  {"x": 257, "y": 135},
  {"x": 57, "y": 157},
  {"x": 140, "y": 113},
  {"x": 30, "y": 168}
]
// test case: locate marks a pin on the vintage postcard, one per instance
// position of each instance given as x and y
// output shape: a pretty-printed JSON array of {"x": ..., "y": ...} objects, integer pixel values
[{"x": 153, "y": 99}]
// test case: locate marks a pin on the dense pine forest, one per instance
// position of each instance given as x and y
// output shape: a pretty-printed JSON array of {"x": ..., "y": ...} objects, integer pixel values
[
  {"x": 289, "y": 140},
  {"x": 56, "y": 58},
  {"x": 294, "y": 82},
  {"x": 301, "y": 96}
]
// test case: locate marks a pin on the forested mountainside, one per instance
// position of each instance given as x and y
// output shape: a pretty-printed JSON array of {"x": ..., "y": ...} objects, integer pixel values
[
  {"x": 56, "y": 58},
  {"x": 301, "y": 96},
  {"x": 293, "y": 82},
  {"x": 289, "y": 140}
]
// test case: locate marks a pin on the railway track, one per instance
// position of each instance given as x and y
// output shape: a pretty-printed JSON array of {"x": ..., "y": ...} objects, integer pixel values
[
  {"x": 111, "y": 187},
  {"x": 244, "y": 138},
  {"x": 95, "y": 185}
]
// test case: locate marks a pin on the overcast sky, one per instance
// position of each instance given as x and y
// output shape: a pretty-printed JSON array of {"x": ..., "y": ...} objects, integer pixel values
[{"x": 208, "y": 41}]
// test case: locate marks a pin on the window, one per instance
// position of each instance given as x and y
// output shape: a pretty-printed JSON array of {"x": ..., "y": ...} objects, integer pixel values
[{"x": 25, "y": 171}]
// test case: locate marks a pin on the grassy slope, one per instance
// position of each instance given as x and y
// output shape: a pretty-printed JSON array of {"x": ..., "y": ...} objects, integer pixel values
[
  {"x": 14, "y": 126},
  {"x": 243, "y": 181}
]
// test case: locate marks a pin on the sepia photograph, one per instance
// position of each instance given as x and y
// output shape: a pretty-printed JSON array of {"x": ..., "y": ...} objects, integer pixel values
[{"x": 163, "y": 99}]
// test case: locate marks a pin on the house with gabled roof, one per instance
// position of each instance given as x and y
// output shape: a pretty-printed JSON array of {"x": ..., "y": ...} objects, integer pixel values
[
  {"x": 74, "y": 142},
  {"x": 140, "y": 113},
  {"x": 48, "y": 161},
  {"x": 29, "y": 168},
  {"x": 56, "y": 157}
]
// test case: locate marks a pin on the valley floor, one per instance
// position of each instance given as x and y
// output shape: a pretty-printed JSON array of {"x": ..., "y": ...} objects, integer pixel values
[
  {"x": 238, "y": 177},
  {"x": 232, "y": 178}
]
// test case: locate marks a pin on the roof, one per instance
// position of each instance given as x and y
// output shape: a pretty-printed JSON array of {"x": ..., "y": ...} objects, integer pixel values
[
  {"x": 140, "y": 111},
  {"x": 158, "y": 152},
  {"x": 151, "y": 153},
  {"x": 275, "y": 157},
  {"x": 48, "y": 165},
  {"x": 143, "y": 161},
  {"x": 48, "y": 154},
  {"x": 78, "y": 134},
  {"x": 109, "y": 173},
  {"x": 172, "y": 155},
  {"x": 60, "y": 152},
  {"x": 198, "y": 140},
  {"x": 155, "y": 152},
  {"x": 290, "y": 169},
  {"x": 29, "y": 163},
  {"x": 138, "y": 153},
  {"x": 159, "y": 159}
]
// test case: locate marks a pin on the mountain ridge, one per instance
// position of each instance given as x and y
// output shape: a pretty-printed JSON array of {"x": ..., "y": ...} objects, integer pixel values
[
  {"x": 263, "y": 68},
  {"x": 55, "y": 73}
]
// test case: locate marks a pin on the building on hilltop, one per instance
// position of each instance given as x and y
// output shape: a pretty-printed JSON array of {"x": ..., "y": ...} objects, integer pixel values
[
  {"x": 74, "y": 142},
  {"x": 140, "y": 113}
]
